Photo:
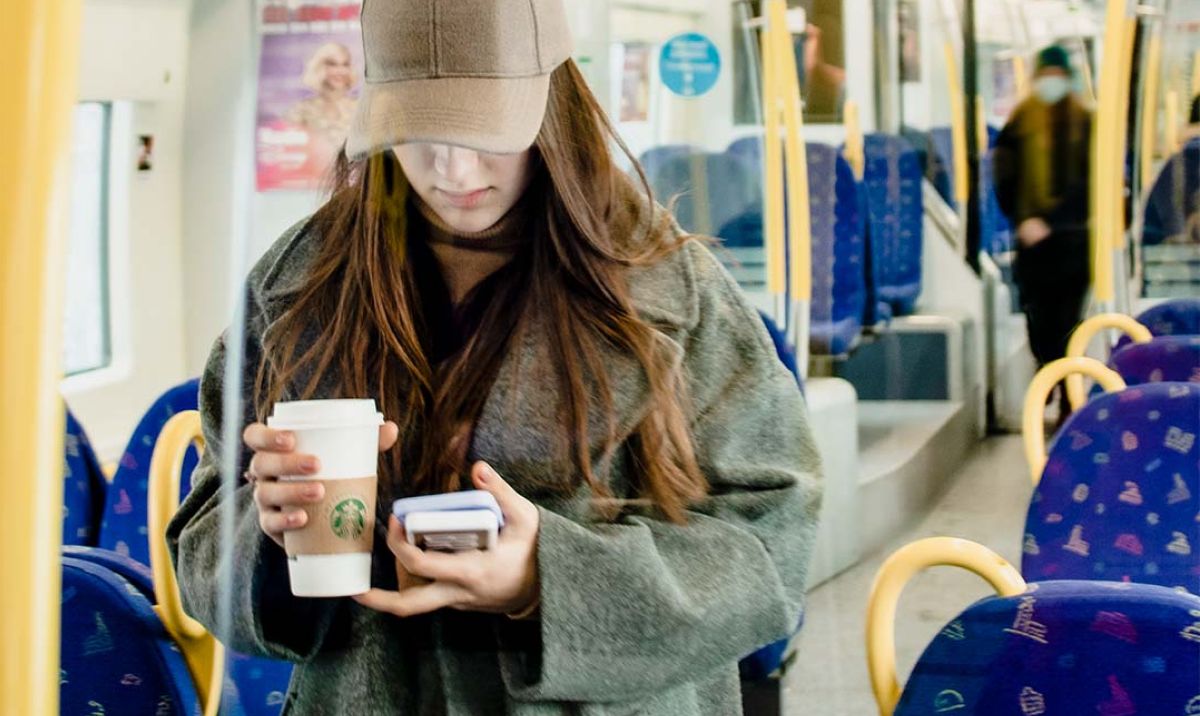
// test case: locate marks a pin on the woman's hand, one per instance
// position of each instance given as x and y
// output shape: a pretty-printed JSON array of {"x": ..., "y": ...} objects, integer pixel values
[
  {"x": 503, "y": 580},
  {"x": 281, "y": 504}
]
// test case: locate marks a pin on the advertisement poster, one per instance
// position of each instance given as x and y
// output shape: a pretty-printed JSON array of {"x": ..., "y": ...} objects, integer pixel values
[
  {"x": 310, "y": 72},
  {"x": 635, "y": 83}
]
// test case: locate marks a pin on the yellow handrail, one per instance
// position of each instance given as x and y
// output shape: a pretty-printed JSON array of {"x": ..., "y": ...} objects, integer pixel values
[
  {"x": 204, "y": 654},
  {"x": 855, "y": 149},
  {"x": 39, "y": 50},
  {"x": 1150, "y": 106},
  {"x": 1108, "y": 151},
  {"x": 958, "y": 126},
  {"x": 796, "y": 157},
  {"x": 773, "y": 207},
  {"x": 1171, "y": 122},
  {"x": 889, "y": 583},
  {"x": 1020, "y": 73},
  {"x": 1033, "y": 431},
  {"x": 1196, "y": 73},
  {"x": 1082, "y": 337}
]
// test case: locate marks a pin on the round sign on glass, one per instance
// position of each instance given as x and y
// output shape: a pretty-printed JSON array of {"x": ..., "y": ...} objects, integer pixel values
[{"x": 690, "y": 64}]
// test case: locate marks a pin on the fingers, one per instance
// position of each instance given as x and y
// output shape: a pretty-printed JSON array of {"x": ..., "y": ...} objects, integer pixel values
[
  {"x": 283, "y": 464},
  {"x": 462, "y": 568},
  {"x": 388, "y": 434},
  {"x": 520, "y": 514},
  {"x": 259, "y": 438},
  {"x": 276, "y": 523},
  {"x": 274, "y": 495},
  {"x": 416, "y": 600}
]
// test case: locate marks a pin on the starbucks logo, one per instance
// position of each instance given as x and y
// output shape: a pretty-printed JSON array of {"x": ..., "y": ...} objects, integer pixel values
[{"x": 349, "y": 518}]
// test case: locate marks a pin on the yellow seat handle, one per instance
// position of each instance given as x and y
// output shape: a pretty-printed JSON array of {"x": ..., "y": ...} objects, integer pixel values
[
  {"x": 204, "y": 654},
  {"x": 1033, "y": 431},
  {"x": 890, "y": 582},
  {"x": 1082, "y": 336}
]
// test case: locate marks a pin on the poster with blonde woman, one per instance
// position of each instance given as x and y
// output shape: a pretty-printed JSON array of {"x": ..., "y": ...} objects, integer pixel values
[{"x": 308, "y": 85}]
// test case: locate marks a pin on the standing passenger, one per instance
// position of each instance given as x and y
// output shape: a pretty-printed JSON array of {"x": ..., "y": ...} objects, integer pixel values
[
  {"x": 1042, "y": 159},
  {"x": 540, "y": 330}
]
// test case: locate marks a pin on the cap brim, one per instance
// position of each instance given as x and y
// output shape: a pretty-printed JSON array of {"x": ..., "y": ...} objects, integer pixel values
[{"x": 494, "y": 115}]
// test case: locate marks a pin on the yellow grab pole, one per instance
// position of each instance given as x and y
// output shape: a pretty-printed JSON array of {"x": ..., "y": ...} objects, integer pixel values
[
  {"x": 855, "y": 151},
  {"x": 773, "y": 209},
  {"x": 1196, "y": 73},
  {"x": 39, "y": 46},
  {"x": 1171, "y": 123},
  {"x": 1150, "y": 106},
  {"x": 1120, "y": 236},
  {"x": 1108, "y": 153},
  {"x": 958, "y": 126},
  {"x": 796, "y": 158},
  {"x": 1021, "y": 83}
]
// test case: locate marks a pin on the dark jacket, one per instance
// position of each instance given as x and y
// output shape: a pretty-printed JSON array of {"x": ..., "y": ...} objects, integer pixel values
[{"x": 638, "y": 616}]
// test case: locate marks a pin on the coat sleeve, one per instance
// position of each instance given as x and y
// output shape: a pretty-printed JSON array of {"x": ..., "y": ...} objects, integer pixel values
[
  {"x": 266, "y": 619},
  {"x": 635, "y": 607}
]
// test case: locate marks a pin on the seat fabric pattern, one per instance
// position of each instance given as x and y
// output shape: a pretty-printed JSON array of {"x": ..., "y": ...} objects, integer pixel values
[
  {"x": 838, "y": 252},
  {"x": 1120, "y": 495},
  {"x": 83, "y": 486},
  {"x": 116, "y": 656},
  {"x": 1177, "y": 317},
  {"x": 895, "y": 222},
  {"x": 1168, "y": 358},
  {"x": 123, "y": 527},
  {"x": 1064, "y": 647}
]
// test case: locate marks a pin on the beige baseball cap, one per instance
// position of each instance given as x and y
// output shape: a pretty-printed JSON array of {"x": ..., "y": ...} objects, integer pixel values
[{"x": 472, "y": 73}]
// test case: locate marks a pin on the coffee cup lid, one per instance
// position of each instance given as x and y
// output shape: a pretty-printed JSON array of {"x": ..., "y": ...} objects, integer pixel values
[{"x": 300, "y": 414}]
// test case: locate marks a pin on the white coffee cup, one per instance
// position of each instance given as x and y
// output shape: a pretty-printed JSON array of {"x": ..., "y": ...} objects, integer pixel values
[{"x": 331, "y": 555}]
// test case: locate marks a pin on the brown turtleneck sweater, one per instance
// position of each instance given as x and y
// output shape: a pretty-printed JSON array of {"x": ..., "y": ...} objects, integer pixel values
[{"x": 466, "y": 259}]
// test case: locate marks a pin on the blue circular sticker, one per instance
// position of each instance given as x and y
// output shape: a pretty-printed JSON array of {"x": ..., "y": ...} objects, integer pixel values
[{"x": 690, "y": 64}]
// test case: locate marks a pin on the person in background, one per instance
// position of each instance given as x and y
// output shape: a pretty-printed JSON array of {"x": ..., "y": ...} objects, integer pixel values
[
  {"x": 1041, "y": 170},
  {"x": 1173, "y": 205}
]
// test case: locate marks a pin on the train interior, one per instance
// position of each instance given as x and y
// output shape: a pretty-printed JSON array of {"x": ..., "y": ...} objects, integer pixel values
[{"x": 841, "y": 154}]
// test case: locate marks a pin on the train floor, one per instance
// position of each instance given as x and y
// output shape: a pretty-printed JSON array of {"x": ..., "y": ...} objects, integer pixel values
[{"x": 986, "y": 502}]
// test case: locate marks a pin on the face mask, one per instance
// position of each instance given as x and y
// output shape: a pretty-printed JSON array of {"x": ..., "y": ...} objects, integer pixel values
[{"x": 1051, "y": 89}]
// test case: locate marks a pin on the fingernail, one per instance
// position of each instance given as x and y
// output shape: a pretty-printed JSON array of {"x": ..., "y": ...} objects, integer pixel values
[
  {"x": 294, "y": 518},
  {"x": 310, "y": 464},
  {"x": 283, "y": 440},
  {"x": 315, "y": 491}
]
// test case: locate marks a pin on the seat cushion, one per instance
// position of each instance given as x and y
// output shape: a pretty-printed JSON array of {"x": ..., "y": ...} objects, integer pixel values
[
  {"x": 1120, "y": 493},
  {"x": 116, "y": 656},
  {"x": 1064, "y": 647}
]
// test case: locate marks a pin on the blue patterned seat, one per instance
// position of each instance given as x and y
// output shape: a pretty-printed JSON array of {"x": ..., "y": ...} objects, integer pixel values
[
  {"x": 116, "y": 656},
  {"x": 1167, "y": 358},
  {"x": 1120, "y": 492},
  {"x": 654, "y": 158},
  {"x": 1173, "y": 202},
  {"x": 838, "y": 252},
  {"x": 1064, "y": 647},
  {"x": 1177, "y": 317},
  {"x": 83, "y": 486},
  {"x": 895, "y": 225},
  {"x": 123, "y": 526},
  {"x": 939, "y": 168}
]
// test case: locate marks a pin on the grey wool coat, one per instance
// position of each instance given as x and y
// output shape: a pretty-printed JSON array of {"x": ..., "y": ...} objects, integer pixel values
[{"x": 638, "y": 615}]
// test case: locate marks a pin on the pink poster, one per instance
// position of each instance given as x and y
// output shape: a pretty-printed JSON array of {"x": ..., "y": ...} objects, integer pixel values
[{"x": 310, "y": 71}]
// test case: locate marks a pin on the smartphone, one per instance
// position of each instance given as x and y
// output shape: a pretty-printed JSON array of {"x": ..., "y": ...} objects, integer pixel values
[{"x": 452, "y": 521}]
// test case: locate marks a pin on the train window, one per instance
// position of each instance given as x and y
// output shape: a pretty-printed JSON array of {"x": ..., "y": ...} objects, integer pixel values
[{"x": 87, "y": 330}]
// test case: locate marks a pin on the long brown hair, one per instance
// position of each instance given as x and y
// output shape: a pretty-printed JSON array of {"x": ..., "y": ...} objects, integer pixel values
[{"x": 360, "y": 318}]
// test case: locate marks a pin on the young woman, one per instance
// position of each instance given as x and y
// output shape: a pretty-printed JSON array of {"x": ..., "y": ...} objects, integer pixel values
[{"x": 537, "y": 328}]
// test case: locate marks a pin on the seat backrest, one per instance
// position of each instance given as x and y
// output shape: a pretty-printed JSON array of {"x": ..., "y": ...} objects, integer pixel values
[
  {"x": 995, "y": 232},
  {"x": 1172, "y": 210},
  {"x": 123, "y": 526},
  {"x": 1177, "y": 317},
  {"x": 1069, "y": 647},
  {"x": 895, "y": 220},
  {"x": 83, "y": 486},
  {"x": 1167, "y": 358},
  {"x": 1119, "y": 496},
  {"x": 838, "y": 252},
  {"x": 116, "y": 656},
  {"x": 710, "y": 191},
  {"x": 653, "y": 159}
]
